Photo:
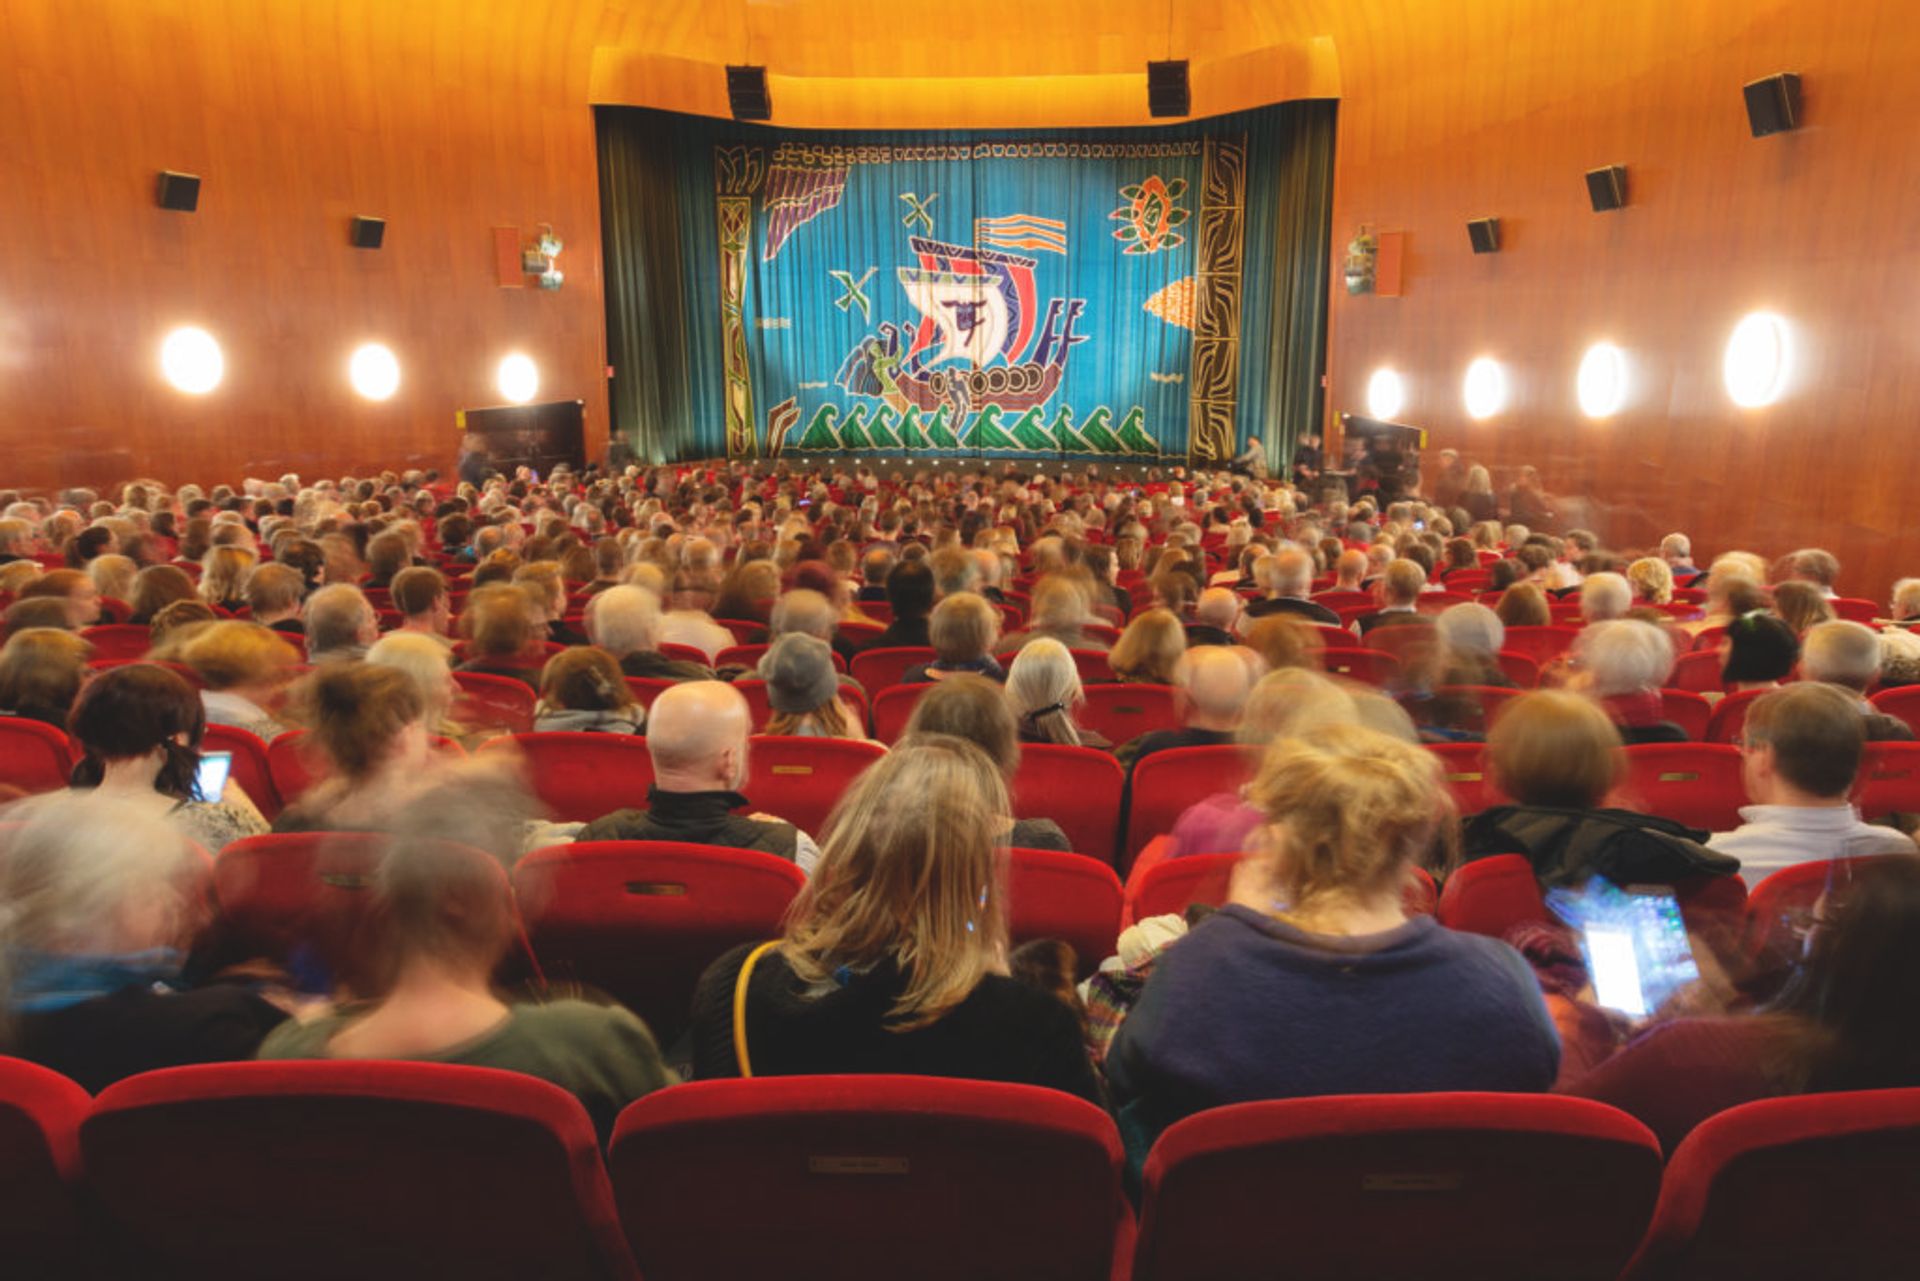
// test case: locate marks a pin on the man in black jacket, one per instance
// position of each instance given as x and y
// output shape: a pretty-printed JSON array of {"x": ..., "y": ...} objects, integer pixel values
[{"x": 697, "y": 736}]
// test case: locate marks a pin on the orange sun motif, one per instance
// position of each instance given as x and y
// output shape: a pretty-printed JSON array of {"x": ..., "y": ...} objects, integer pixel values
[{"x": 1148, "y": 219}]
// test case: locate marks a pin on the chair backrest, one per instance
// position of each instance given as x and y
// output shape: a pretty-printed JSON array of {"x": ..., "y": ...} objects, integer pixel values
[
  {"x": 893, "y": 708},
  {"x": 581, "y": 776},
  {"x": 648, "y": 688},
  {"x": 1092, "y": 665},
  {"x": 251, "y": 771},
  {"x": 1176, "y": 883},
  {"x": 745, "y": 631},
  {"x": 1902, "y": 702},
  {"x": 642, "y": 919},
  {"x": 1077, "y": 787},
  {"x": 1492, "y": 895},
  {"x": 283, "y": 891},
  {"x": 759, "y": 701},
  {"x": 1889, "y": 781},
  {"x": 34, "y": 756},
  {"x": 1373, "y": 666},
  {"x": 1465, "y": 770},
  {"x": 1332, "y": 637},
  {"x": 1070, "y": 897},
  {"x": 118, "y": 640},
  {"x": 1690, "y": 711},
  {"x": 1490, "y": 1186},
  {"x": 1541, "y": 644},
  {"x": 694, "y": 654},
  {"x": 501, "y": 701},
  {"x": 869, "y": 1176},
  {"x": 1729, "y": 718},
  {"x": 1488, "y": 698},
  {"x": 1698, "y": 784},
  {"x": 1698, "y": 671},
  {"x": 1521, "y": 669},
  {"x": 40, "y": 1220},
  {"x": 879, "y": 668},
  {"x": 367, "y": 1169},
  {"x": 802, "y": 779},
  {"x": 1166, "y": 783},
  {"x": 1855, "y": 609},
  {"x": 1124, "y": 712},
  {"x": 1780, "y": 907},
  {"x": 738, "y": 656},
  {"x": 1822, "y": 1185}
]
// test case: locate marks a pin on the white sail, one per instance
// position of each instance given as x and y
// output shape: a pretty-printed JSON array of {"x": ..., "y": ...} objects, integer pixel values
[{"x": 970, "y": 311}]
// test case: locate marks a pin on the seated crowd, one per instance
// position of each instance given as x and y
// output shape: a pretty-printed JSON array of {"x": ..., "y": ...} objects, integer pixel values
[{"x": 696, "y": 606}]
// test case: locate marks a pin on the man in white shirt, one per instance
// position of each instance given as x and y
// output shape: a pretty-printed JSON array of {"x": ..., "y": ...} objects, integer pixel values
[{"x": 1801, "y": 751}]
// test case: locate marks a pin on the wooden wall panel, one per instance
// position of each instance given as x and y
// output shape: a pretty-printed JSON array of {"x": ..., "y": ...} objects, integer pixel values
[{"x": 445, "y": 118}]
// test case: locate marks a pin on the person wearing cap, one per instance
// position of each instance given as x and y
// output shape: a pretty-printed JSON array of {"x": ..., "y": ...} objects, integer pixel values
[
  {"x": 804, "y": 690},
  {"x": 1761, "y": 651}
]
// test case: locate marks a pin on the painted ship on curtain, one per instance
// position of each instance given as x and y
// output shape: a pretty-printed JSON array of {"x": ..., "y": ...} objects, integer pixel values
[{"x": 964, "y": 298}]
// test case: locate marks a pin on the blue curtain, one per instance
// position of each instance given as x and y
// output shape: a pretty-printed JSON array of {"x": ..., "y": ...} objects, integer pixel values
[{"x": 1066, "y": 294}]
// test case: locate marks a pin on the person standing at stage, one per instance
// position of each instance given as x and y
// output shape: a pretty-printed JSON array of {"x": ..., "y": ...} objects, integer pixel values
[
  {"x": 1307, "y": 458},
  {"x": 1253, "y": 459},
  {"x": 474, "y": 464}
]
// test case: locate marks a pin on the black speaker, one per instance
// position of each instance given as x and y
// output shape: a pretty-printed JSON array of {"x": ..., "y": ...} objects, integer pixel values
[
  {"x": 1485, "y": 235},
  {"x": 1168, "y": 92},
  {"x": 1607, "y": 188},
  {"x": 367, "y": 233},
  {"x": 179, "y": 191},
  {"x": 1773, "y": 104},
  {"x": 747, "y": 93}
]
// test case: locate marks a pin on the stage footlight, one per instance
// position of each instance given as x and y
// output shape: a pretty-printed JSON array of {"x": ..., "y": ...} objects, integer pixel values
[
  {"x": 1485, "y": 388},
  {"x": 373, "y": 371},
  {"x": 1386, "y": 394},
  {"x": 190, "y": 359},
  {"x": 519, "y": 378},
  {"x": 1602, "y": 383},
  {"x": 1759, "y": 360}
]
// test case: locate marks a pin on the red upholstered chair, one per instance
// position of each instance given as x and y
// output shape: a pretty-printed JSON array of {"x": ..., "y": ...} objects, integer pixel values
[
  {"x": 1171, "y": 885},
  {"x": 642, "y": 919},
  {"x": 1070, "y": 897},
  {"x": 1489, "y": 698},
  {"x": 893, "y": 707},
  {"x": 1709, "y": 638},
  {"x": 1077, "y": 787},
  {"x": 862, "y": 633},
  {"x": 1780, "y": 907},
  {"x": 1541, "y": 644},
  {"x": 693, "y": 654},
  {"x": 41, "y": 1232},
  {"x": 294, "y": 765},
  {"x": 1855, "y": 609},
  {"x": 1166, "y": 783},
  {"x": 879, "y": 668},
  {"x": 1332, "y": 637},
  {"x": 648, "y": 688},
  {"x": 1489, "y": 1186},
  {"x": 581, "y": 776},
  {"x": 1492, "y": 895},
  {"x": 1729, "y": 719},
  {"x": 372, "y": 1170},
  {"x": 1339, "y": 600},
  {"x": 1464, "y": 769},
  {"x": 1901, "y": 702},
  {"x": 802, "y": 779},
  {"x": 502, "y": 701},
  {"x": 750, "y": 656},
  {"x": 251, "y": 770},
  {"x": 34, "y": 756},
  {"x": 1124, "y": 712},
  {"x": 1374, "y": 667},
  {"x": 1103, "y": 631},
  {"x": 1823, "y": 1185},
  {"x": 1092, "y": 665},
  {"x": 745, "y": 632},
  {"x": 1698, "y": 671},
  {"x": 1519, "y": 668},
  {"x": 1889, "y": 781},
  {"x": 1688, "y": 710},
  {"x": 1698, "y": 784},
  {"x": 870, "y": 1176},
  {"x": 118, "y": 640}
]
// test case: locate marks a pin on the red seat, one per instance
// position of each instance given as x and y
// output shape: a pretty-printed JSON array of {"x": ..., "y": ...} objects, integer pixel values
[
  {"x": 34, "y": 756},
  {"x": 1889, "y": 780},
  {"x": 893, "y": 708},
  {"x": 294, "y": 765},
  {"x": 1519, "y": 668},
  {"x": 364, "y": 1169},
  {"x": 1347, "y": 599},
  {"x": 1069, "y": 897},
  {"x": 1698, "y": 784},
  {"x": 1492, "y": 895},
  {"x": 1374, "y": 667},
  {"x": 1689, "y": 711},
  {"x": 879, "y": 668},
  {"x": 502, "y": 701},
  {"x": 745, "y": 632},
  {"x": 1093, "y": 667},
  {"x": 1489, "y": 698},
  {"x": 1780, "y": 907},
  {"x": 860, "y": 633},
  {"x": 1332, "y": 637},
  {"x": 41, "y": 1232},
  {"x": 1823, "y": 1185},
  {"x": 1078, "y": 788},
  {"x": 1166, "y": 783},
  {"x": 1902, "y": 702},
  {"x": 648, "y": 688},
  {"x": 760, "y": 704},
  {"x": 1173, "y": 884},
  {"x": 692, "y": 654},
  {"x": 114, "y": 611},
  {"x": 1124, "y": 712},
  {"x": 581, "y": 776},
  {"x": 252, "y": 772},
  {"x": 1709, "y": 639},
  {"x": 1729, "y": 720},
  {"x": 802, "y": 779},
  {"x": 1698, "y": 671},
  {"x": 118, "y": 640},
  {"x": 641, "y": 920},
  {"x": 878, "y": 610},
  {"x": 1855, "y": 609},
  {"x": 1541, "y": 644},
  {"x": 869, "y": 1177},
  {"x": 1464, "y": 769},
  {"x": 1488, "y": 1186}
]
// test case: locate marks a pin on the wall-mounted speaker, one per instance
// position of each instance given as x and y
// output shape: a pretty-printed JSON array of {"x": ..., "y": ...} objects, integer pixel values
[
  {"x": 1773, "y": 103},
  {"x": 367, "y": 233},
  {"x": 747, "y": 93},
  {"x": 179, "y": 191},
  {"x": 1169, "y": 93},
  {"x": 1485, "y": 235},
  {"x": 1607, "y": 188}
]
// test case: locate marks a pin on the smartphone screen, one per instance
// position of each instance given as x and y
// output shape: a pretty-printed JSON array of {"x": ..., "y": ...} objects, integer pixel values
[
  {"x": 210, "y": 780},
  {"x": 1615, "y": 972}
]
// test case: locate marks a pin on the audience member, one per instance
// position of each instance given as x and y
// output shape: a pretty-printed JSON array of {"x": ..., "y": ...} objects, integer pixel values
[
  {"x": 804, "y": 691},
  {"x": 1847, "y": 655},
  {"x": 1043, "y": 689},
  {"x": 909, "y": 594},
  {"x": 1216, "y": 616},
  {"x": 503, "y": 638},
  {"x": 1624, "y": 664},
  {"x": 1398, "y": 592},
  {"x": 975, "y": 709},
  {"x": 75, "y": 592},
  {"x": 243, "y": 669},
  {"x": 340, "y": 624},
  {"x": 41, "y": 672},
  {"x": 1287, "y": 577},
  {"x": 1213, "y": 682},
  {"x": 420, "y": 597},
  {"x": 1149, "y": 649},
  {"x": 1761, "y": 652},
  {"x": 274, "y": 593},
  {"x": 156, "y": 587},
  {"x": 963, "y": 629},
  {"x": 369, "y": 731},
  {"x": 625, "y": 622},
  {"x": 1059, "y": 613},
  {"x": 583, "y": 691}
]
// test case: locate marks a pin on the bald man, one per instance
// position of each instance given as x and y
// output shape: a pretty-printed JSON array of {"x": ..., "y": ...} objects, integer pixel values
[
  {"x": 697, "y": 736},
  {"x": 1213, "y": 683},
  {"x": 1214, "y": 618}
]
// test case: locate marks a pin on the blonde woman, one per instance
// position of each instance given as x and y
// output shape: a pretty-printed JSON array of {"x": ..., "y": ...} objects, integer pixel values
[
  {"x": 41, "y": 672},
  {"x": 1148, "y": 650},
  {"x": 424, "y": 661},
  {"x": 1652, "y": 580},
  {"x": 1043, "y": 688},
  {"x": 244, "y": 668},
  {"x": 223, "y": 577},
  {"x": 1314, "y": 936},
  {"x": 894, "y": 958}
]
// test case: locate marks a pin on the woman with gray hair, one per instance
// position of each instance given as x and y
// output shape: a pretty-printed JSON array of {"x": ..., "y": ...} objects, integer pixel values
[
  {"x": 1622, "y": 665},
  {"x": 1043, "y": 688}
]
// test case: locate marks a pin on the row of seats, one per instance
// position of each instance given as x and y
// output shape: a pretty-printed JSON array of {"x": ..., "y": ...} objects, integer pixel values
[{"x": 382, "y": 1170}]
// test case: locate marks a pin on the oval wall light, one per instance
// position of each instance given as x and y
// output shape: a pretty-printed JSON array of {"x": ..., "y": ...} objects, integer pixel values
[
  {"x": 519, "y": 379},
  {"x": 1758, "y": 361},
  {"x": 1485, "y": 388},
  {"x": 1386, "y": 394},
  {"x": 1602, "y": 383},
  {"x": 374, "y": 371},
  {"x": 190, "y": 360}
]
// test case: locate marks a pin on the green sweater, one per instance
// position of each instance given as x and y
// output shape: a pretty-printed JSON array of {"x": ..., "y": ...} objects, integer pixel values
[{"x": 601, "y": 1054}]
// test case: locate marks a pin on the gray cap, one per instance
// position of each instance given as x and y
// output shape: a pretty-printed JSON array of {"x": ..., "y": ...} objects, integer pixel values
[{"x": 799, "y": 673}]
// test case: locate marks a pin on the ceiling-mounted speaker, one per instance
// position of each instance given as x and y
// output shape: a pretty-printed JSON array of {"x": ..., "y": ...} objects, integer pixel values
[
  {"x": 1169, "y": 93},
  {"x": 1607, "y": 188},
  {"x": 1485, "y": 235},
  {"x": 1773, "y": 103},
  {"x": 747, "y": 93},
  {"x": 180, "y": 191},
  {"x": 367, "y": 233}
]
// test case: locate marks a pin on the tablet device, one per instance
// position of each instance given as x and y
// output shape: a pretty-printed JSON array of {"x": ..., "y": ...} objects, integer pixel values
[
  {"x": 1637, "y": 951},
  {"x": 210, "y": 780}
]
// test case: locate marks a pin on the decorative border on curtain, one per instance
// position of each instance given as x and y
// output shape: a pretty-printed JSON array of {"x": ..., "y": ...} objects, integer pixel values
[
  {"x": 1216, "y": 320},
  {"x": 737, "y": 175}
]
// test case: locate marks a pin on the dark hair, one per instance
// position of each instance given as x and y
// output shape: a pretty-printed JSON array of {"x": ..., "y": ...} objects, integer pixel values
[
  {"x": 357, "y": 710},
  {"x": 127, "y": 711},
  {"x": 416, "y": 588}
]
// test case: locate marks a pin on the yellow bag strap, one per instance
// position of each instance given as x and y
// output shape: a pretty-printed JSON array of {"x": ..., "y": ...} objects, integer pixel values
[{"x": 740, "y": 1005}]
